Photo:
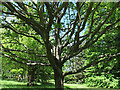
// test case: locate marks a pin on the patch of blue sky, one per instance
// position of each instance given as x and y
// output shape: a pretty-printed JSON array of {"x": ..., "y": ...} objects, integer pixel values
[
  {"x": 72, "y": 0},
  {"x": 66, "y": 21},
  {"x": 68, "y": 66},
  {"x": 11, "y": 17}
]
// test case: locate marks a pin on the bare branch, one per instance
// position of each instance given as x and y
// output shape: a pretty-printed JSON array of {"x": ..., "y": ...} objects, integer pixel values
[
  {"x": 63, "y": 13},
  {"x": 60, "y": 8},
  {"x": 33, "y": 3},
  {"x": 22, "y": 5},
  {"x": 70, "y": 29},
  {"x": 88, "y": 12},
  {"x": 66, "y": 33},
  {"x": 72, "y": 32},
  {"x": 67, "y": 57}
]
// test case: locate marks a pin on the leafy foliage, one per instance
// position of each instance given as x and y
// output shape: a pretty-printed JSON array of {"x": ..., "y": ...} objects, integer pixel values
[
  {"x": 59, "y": 33},
  {"x": 102, "y": 81}
]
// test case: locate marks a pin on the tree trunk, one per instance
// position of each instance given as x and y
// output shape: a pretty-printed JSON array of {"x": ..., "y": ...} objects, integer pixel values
[
  {"x": 58, "y": 77},
  {"x": 31, "y": 78}
]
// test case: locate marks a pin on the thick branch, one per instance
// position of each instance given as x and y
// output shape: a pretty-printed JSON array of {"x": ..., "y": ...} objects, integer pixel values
[
  {"x": 24, "y": 51},
  {"x": 72, "y": 32},
  {"x": 63, "y": 13},
  {"x": 5, "y": 55},
  {"x": 41, "y": 64},
  {"x": 13, "y": 29},
  {"x": 14, "y": 55},
  {"x": 30, "y": 21}
]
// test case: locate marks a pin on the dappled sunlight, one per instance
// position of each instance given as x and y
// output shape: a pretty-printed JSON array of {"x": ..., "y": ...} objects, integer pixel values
[
  {"x": 50, "y": 84},
  {"x": 60, "y": 44}
]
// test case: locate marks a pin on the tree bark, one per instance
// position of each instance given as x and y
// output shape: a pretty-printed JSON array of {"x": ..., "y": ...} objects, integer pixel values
[
  {"x": 31, "y": 71},
  {"x": 58, "y": 77}
]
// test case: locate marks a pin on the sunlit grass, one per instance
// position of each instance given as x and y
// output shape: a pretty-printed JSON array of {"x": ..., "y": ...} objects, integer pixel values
[
  {"x": 76, "y": 85},
  {"x": 15, "y": 84}
]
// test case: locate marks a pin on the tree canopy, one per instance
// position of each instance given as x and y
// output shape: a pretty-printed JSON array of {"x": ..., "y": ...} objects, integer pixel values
[{"x": 59, "y": 30}]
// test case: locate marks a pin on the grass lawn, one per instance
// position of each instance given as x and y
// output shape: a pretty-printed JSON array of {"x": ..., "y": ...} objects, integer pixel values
[
  {"x": 4, "y": 84},
  {"x": 15, "y": 84},
  {"x": 10, "y": 85}
]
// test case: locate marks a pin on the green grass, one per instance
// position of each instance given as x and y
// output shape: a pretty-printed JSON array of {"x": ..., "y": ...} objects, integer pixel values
[
  {"x": 15, "y": 84},
  {"x": 23, "y": 86},
  {"x": 76, "y": 85}
]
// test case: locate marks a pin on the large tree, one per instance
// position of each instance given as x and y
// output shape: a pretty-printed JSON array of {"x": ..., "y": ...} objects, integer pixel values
[{"x": 59, "y": 27}]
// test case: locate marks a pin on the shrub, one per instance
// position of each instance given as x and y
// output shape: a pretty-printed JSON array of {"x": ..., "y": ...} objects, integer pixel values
[
  {"x": 102, "y": 81},
  {"x": 71, "y": 79}
]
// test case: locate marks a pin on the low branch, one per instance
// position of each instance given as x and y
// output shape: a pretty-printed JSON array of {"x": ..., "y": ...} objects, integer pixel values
[
  {"x": 14, "y": 55},
  {"x": 41, "y": 64},
  {"x": 24, "y": 51},
  {"x": 5, "y": 55},
  {"x": 17, "y": 42},
  {"x": 93, "y": 63}
]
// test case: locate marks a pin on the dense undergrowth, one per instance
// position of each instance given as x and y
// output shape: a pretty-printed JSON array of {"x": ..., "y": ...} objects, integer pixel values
[{"x": 102, "y": 81}]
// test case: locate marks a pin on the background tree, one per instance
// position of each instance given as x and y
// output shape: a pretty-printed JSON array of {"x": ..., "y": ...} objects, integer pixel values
[
  {"x": 58, "y": 27},
  {"x": 18, "y": 45}
]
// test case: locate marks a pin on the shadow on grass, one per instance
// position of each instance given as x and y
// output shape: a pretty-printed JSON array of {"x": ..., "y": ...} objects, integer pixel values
[
  {"x": 44, "y": 86},
  {"x": 25, "y": 87}
]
